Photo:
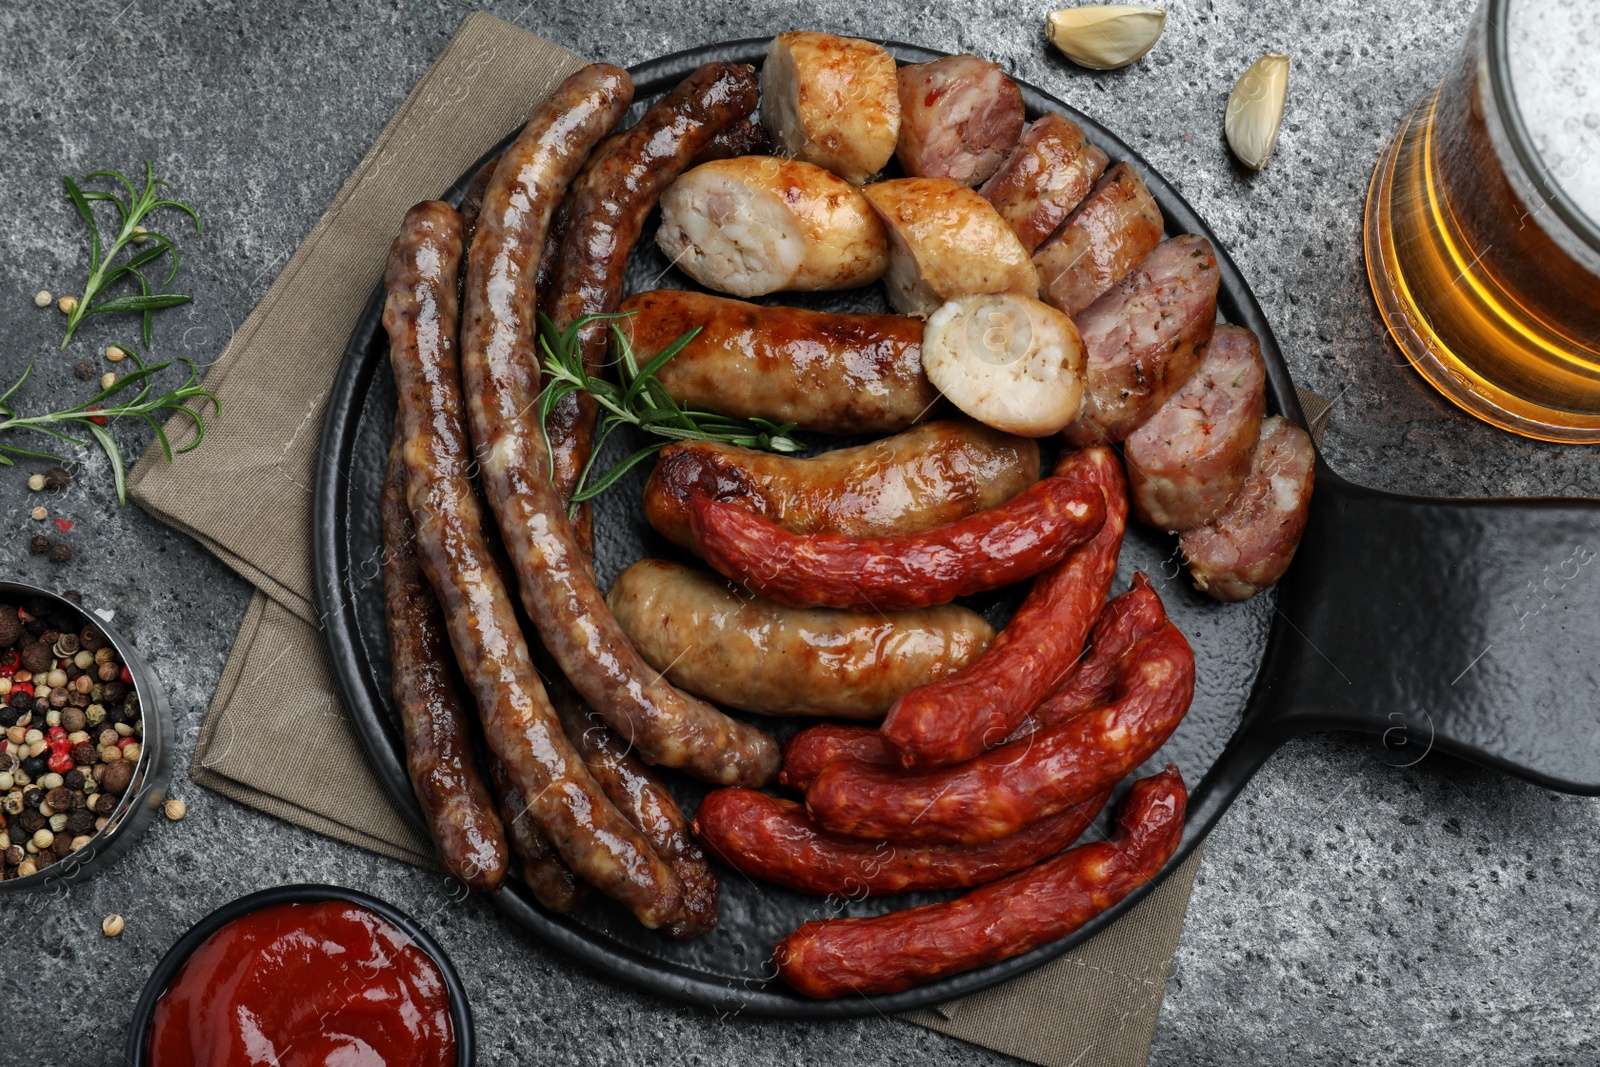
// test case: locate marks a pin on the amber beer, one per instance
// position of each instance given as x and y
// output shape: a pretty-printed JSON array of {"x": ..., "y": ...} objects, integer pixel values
[{"x": 1481, "y": 236}]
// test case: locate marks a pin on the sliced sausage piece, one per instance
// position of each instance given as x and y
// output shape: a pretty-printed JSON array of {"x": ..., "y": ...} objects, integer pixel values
[
  {"x": 926, "y": 476},
  {"x": 1027, "y": 534},
  {"x": 500, "y": 378},
  {"x": 1034, "y": 907},
  {"x": 776, "y": 841},
  {"x": 1048, "y": 174},
  {"x": 1127, "y": 620},
  {"x": 946, "y": 241},
  {"x": 1101, "y": 242},
  {"x": 544, "y": 872},
  {"x": 1017, "y": 784},
  {"x": 1249, "y": 545},
  {"x": 763, "y": 657},
  {"x": 832, "y": 101},
  {"x": 1145, "y": 338},
  {"x": 759, "y": 224},
  {"x": 955, "y": 719},
  {"x": 824, "y": 372},
  {"x": 441, "y": 757},
  {"x": 1189, "y": 460},
  {"x": 960, "y": 116},
  {"x": 1008, "y": 360}
]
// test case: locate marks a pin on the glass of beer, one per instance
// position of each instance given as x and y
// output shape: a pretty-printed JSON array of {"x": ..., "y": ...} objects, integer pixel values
[{"x": 1483, "y": 223}]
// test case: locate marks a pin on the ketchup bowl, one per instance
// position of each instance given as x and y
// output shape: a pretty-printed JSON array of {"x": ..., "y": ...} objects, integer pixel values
[{"x": 138, "y": 1051}]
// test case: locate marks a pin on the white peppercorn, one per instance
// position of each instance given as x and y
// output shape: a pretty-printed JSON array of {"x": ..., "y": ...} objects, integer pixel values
[
  {"x": 175, "y": 809},
  {"x": 58, "y": 821},
  {"x": 81, "y": 840},
  {"x": 50, "y": 781},
  {"x": 52, "y": 717},
  {"x": 42, "y": 298},
  {"x": 6, "y": 781},
  {"x": 26, "y": 867},
  {"x": 56, "y": 678},
  {"x": 43, "y": 838},
  {"x": 83, "y": 660},
  {"x": 112, "y": 925}
]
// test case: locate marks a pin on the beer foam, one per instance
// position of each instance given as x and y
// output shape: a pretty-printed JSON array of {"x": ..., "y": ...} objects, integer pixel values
[{"x": 1554, "y": 48}]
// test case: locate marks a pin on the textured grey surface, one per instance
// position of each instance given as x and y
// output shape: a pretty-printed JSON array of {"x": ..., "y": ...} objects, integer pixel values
[{"x": 1347, "y": 910}]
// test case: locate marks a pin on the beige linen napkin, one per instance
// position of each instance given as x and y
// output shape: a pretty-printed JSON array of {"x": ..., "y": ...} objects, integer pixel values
[{"x": 1094, "y": 1006}]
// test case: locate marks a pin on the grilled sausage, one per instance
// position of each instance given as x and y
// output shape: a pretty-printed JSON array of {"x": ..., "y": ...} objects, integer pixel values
[
  {"x": 420, "y": 314},
  {"x": 760, "y": 224},
  {"x": 776, "y": 841},
  {"x": 957, "y": 718},
  {"x": 1046, "y": 176},
  {"x": 1034, "y": 907},
  {"x": 1249, "y": 545},
  {"x": 832, "y": 101},
  {"x": 945, "y": 240},
  {"x": 543, "y": 871},
  {"x": 762, "y": 657},
  {"x": 747, "y": 137},
  {"x": 440, "y": 756},
  {"x": 501, "y": 385},
  {"x": 1125, "y": 622},
  {"x": 642, "y": 797},
  {"x": 1190, "y": 459},
  {"x": 823, "y": 372},
  {"x": 926, "y": 476},
  {"x": 1023, "y": 781},
  {"x": 1144, "y": 338},
  {"x": 605, "y": 212},
  {"x": 1025, "y": 535},
  {"x": 960, "y": 116},
  {"x": 1100, "y": 243}
]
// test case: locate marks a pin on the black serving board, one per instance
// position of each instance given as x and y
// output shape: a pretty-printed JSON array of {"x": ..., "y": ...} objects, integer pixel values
[{"x": 1462, "y": 626}]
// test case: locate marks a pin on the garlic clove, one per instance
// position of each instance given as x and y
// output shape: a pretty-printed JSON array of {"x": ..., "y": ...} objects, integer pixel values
[
  {"x": 1255, "y": 109},
  {"x": 1107, "y": 36},
  {"x": 1007, "y": 360}
]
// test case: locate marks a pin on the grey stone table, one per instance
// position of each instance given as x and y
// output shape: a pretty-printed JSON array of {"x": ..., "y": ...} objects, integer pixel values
[{"x": 1347, "y": 910}]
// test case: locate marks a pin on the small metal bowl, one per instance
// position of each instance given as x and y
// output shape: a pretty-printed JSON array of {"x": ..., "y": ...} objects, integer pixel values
[
  {"x": 135, "y": 1053},
  {"x": 146, "y": 793}
]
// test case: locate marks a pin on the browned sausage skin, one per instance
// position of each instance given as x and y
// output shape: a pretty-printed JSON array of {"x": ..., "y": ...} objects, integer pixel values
[
  {"x": 420, "y": 314},
  {"x": 544, "y": 872},
  {"x": 926, "y": 476},
  {"x": 1034, "y": 907},
  {"x": 960, "y": 116},
  {"x": 1048, "y": 174},
  {"x": 718, "y": 642},
  {"x": 1189, "y": 460},
  {"x": 1248, "y": 546},
  {"x": 1144, "y": 338},
  {"x": 1100, "y": 243},
  {"x": 440, "y": 755},
  {"x": 605, "y": 212},
  {"x": 559, "y": 593}
]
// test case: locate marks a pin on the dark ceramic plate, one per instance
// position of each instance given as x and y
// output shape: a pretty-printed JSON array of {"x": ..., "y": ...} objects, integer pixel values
[{"x": 1460, "y": 626}]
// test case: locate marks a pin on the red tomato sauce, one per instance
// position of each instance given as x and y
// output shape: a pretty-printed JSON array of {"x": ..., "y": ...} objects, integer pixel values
[{"x": 305, "y": 985}]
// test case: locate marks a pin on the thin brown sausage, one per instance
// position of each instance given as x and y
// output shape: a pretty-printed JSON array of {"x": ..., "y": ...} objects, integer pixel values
[
  {"x": 544, "y": 872},
  {"x": 502, "y": 388},
  {"x": 440, "y": 754},
  {"x": 420, "y": 314},
  {"x": 643, "y": 798},
  {"x": 1045, "y": 903},
  {"x": 605, "y": 212}
]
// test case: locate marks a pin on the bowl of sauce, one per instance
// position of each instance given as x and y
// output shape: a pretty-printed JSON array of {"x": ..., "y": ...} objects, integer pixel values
[{"x": 303, "y": 976}]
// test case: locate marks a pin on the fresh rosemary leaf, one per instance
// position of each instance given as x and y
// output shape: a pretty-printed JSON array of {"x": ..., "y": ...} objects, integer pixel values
[
  {"x": 103, "y": 271},
  {"x": 636, "y": 399}
]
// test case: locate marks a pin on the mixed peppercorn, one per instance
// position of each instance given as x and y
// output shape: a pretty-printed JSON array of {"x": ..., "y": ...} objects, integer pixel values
[{"x": 72, "y": 736}]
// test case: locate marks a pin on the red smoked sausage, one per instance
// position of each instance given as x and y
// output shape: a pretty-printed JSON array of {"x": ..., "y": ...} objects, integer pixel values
[
  {"x": 888, "y": 953},
  {"x": 1016, "y": 540},
  {"x": 1126, "y": 621},
  {"x": 775, "y": 840},
  {"x": 958, "y": 717},
  {"x": 1023, "y": 781}
]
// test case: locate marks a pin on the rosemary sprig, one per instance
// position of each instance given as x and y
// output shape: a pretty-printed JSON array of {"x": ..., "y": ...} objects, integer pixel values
[
  {"x": 637, "y": 399},
  {"x": 92, "y": 415},
  {"x": 102, "y": 272}
]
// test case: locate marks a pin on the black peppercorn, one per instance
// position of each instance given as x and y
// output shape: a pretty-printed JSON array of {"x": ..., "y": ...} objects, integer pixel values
[
  {"x": 84, "y": 753},
  {"x": 67, "y": 643},
  {"x": 18, "y": 835},
  {"x": 57, "y": 478},
  {"x": 21, "y": 700},
  {"x": 10, "y": 626},
  {"x": 113, "y": 692},
  {"x": 39, "y": 544},
  {"x": 80, "y": 822},
  {"x": 37, "y": 657},
  {"x": 73, "y": 780},
  {"x": 59, "y": 798},
  {"x": 36, "y": 766},
  {"x": 92, "y": 639},
  {"x": 9, "y": 715},
  {"x": 84, "y": 371},
  {"x": 60, "y": 553},
  {"x": 31, "y": 821},
  {"x": 33, "y": 797}
]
